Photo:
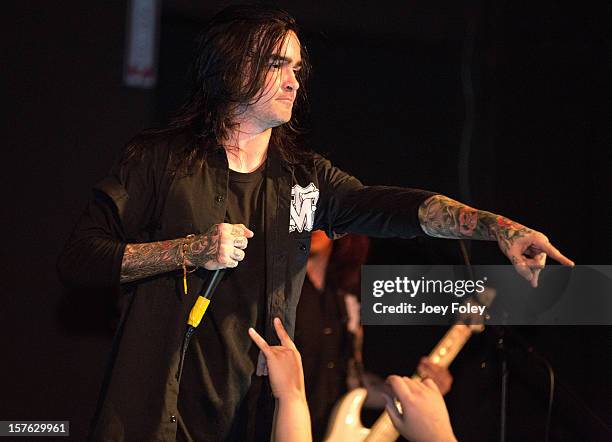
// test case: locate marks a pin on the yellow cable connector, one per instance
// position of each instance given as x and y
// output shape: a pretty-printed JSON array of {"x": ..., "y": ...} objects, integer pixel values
[{"x": 197, "y": 312}]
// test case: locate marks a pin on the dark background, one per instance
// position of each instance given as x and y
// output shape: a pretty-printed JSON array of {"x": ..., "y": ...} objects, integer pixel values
[{"x": 498, "y": 104}]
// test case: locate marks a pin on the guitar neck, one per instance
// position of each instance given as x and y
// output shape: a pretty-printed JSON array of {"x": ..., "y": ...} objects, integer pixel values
[
  {"x": 443, "y": 354},
  {"x": 450, "y": 345}
]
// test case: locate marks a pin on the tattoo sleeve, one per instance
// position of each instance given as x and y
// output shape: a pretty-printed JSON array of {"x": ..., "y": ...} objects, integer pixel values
[
  {"x": 442, "y": 217},
  {"x": 148, "y": 259}
]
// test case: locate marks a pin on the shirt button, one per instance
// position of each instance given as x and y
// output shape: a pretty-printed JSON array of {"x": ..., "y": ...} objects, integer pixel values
[
  {"x": 302, "y": 247},
  {"x": 219, "y": 198},
  {"x": 327, "y": 331},
  {"x": 330, "y": 364},
  {"x": 173, "y": 419}
]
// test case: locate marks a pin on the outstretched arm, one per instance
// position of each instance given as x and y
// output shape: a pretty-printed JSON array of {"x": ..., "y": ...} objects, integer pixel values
[
  {"x": 291, "y": 418},
  {"x": 442, "y": 217}
]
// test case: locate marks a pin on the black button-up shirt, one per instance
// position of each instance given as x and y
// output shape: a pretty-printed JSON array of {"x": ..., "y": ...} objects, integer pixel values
[{"x": 147, "y": 200}]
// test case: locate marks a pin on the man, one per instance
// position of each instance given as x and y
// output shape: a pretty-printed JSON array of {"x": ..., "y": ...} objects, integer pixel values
[
  {"x": 328, "y": 333},
  {"x": 190, "y": 197}
]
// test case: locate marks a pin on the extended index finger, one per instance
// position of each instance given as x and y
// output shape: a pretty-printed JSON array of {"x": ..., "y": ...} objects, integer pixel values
[
  {"x": 555, "y": 254},
  {"x": 282, "y": 334},
  {"x": 259, "y": 341}
]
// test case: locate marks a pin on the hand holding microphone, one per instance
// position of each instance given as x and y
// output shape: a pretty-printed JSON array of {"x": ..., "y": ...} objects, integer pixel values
[{"x": 222, "y": 246}]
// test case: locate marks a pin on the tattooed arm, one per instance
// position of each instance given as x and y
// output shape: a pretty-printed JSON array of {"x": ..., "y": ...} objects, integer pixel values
[
  {"x": 442, "y": 217},
  {"x": 222, "y": 246}
]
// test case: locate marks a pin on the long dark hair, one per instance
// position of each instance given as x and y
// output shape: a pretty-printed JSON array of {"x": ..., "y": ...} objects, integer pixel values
[{"x": 229, "y": 70}]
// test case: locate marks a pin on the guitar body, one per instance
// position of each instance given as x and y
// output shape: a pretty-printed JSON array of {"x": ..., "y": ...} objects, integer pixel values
[{"x": 345, "y": 422}]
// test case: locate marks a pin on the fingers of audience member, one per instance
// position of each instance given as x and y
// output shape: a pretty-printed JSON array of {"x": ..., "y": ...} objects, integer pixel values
[
  {"x": 392, "y": 410},
  {"x": 401, "y": 388},
  {"x": 282, "y": 334},
  {"x": 259, "y": 341}
]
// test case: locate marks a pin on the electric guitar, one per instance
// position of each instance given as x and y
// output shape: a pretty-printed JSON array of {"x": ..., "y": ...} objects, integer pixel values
[{"x": 345, "y": 423}]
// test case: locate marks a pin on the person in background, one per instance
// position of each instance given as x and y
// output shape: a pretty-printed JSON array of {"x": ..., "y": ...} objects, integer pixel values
[{"x": 328, "y": 331}]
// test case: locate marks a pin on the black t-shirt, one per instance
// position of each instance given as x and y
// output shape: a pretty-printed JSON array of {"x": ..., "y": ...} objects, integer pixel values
[{"x": 222, "y": 344}]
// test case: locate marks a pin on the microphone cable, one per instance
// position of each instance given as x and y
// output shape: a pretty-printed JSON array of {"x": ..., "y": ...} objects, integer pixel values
[{"x": 196, "y": 314}]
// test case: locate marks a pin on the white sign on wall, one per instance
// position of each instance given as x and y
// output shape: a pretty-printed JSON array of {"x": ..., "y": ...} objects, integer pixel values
[{"x": 142, "y": 38}]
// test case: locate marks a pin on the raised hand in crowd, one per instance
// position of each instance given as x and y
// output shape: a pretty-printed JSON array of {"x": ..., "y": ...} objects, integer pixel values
[
  {"x": 292, "y": 418},
  {"x": 423, "y": 416}
]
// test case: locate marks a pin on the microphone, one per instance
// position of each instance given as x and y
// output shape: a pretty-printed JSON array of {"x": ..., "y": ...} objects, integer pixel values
[
  {"x": 199, "y": 308},
  {"x": 197, "y": 313}
]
